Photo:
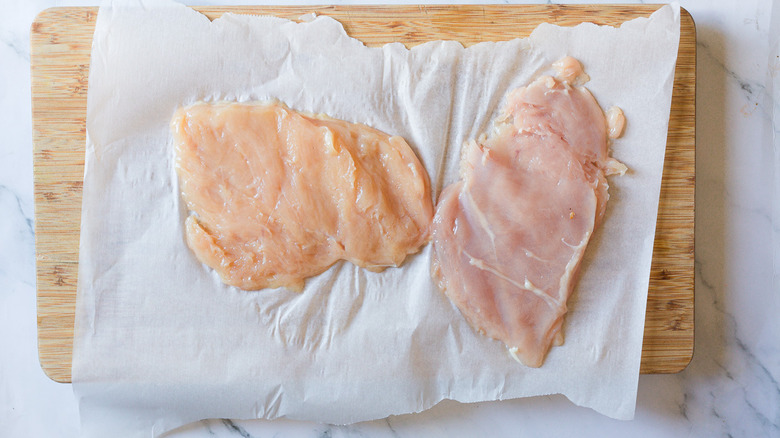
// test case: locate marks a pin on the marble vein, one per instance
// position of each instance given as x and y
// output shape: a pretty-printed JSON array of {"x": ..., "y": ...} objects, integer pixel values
[
  {"x": 754, "y": 369},
  {"x": 18, "y": 45},
  {"x": 18, "y": 239},
  {"x": 390, "y": 426},
  {"x": 698, "y": 267},
  {"x": 753, "y": 91},
  {"x": 207, "y": 425},
  {"x": 741, "y": 204},
  {"x": 683, "y": 407},
  {"x": 236, "y": 429},
  {"x": 20, "y": 208},
  {"x": 766, "y": 377}
]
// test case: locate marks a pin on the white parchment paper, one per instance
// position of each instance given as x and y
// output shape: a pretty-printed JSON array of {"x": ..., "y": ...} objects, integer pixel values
[{"x": 160, "y": 341}]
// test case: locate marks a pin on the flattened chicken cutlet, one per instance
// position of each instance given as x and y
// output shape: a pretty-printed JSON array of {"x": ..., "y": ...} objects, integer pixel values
[
  {"x": 276, "y": 196},
  {"x": 509, "y": 236}
]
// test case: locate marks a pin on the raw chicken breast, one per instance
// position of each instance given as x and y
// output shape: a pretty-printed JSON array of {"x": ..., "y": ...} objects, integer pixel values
[
  {"x": 276, "y": 196},
  {"x": 509, "y": 236}
]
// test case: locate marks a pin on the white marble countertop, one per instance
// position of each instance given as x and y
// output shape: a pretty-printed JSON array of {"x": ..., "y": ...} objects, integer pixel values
[{"x": 731, "y": 386}]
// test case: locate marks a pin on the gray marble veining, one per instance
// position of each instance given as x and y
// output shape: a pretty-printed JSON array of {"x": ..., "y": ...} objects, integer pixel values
[
  {"x": 20, "y": 47},
  {"x": 16, "y": 229}
]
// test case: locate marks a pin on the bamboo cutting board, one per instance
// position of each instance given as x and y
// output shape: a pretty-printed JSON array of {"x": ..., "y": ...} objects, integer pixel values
[{"x": 60, "y": 44}]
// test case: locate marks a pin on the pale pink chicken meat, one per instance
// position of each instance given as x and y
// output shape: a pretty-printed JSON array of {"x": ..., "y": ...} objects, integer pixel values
[
  {"x": 509, "y": 236},
  {"x": 276, "y": 196}
]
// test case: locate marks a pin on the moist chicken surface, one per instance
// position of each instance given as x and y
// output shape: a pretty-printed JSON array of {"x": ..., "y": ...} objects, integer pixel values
[
  {"x": 276, "y": 196},
  {"x": 509, "y": 236}
]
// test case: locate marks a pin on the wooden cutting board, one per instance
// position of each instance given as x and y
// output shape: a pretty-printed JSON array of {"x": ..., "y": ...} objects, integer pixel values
[{"x": 60, "y": 54}]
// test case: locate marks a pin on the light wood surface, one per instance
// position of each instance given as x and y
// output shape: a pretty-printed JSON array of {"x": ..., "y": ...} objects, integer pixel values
[{"x": 61, "y": 40}]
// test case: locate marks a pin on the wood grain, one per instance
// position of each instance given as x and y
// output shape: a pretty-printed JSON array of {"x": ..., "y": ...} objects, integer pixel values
[{"x": 60, "y": 45}]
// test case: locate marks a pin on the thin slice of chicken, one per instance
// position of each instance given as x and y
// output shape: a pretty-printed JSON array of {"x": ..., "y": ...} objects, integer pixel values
[
  {"x": 509, "y": 236},
  {"x": 276, "y": 196}
]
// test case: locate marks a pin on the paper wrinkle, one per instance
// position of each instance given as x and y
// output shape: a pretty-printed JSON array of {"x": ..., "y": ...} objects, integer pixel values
[{"x": 160, "y": 341}]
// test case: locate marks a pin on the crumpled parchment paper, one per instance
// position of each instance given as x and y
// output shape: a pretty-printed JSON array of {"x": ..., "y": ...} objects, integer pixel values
[{"x": 160, "y": 341}]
